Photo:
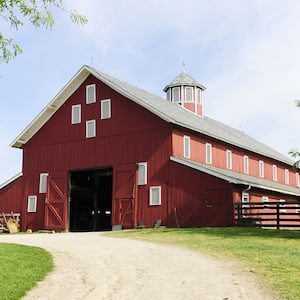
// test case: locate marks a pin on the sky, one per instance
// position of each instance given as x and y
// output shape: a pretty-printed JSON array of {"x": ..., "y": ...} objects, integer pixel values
[{"x": 246, "y": 54}]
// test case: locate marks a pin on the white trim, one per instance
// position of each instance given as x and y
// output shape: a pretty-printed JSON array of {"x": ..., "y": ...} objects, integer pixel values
[
  {"x": 31, "y": 203},
  {"x": 154, "y": 195},
  {"x": 297, "y": 179},
  {"x": 186, "y": 88},
  {"x": 228, "y": 159},
  {"x": 9, "y": 181},
  {"x": 275, "y": 173},
  {"x": 142, "y": 173},
  {"x": 261, "y": 168},
  {"x": 208, "y": 153},
  {"x": 246, "y": 164},
  {"x": 286, "y": 176},
  {"x": 282, "y": 206},
  {"x": 43, "y": 183},
  {"x": 76, "y": 114},
  {"x": 245, "y": 199},
  {"x": 265, "y": 200},
  {"x": 105, "y": 105},
  {"x": 186, "y": 146},
  {"x": 177, "y": 89},
  {"x": 90, "y": 128},
  {"x": 90, "y": 93}
]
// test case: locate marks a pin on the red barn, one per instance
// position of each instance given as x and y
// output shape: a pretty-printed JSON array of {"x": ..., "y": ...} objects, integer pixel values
[{"x": 104, "y": 153}]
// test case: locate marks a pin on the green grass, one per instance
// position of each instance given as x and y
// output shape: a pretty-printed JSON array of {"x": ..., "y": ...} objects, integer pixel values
[
  {"x": 21, "y": 267},
  {"x": 273, "y": 255}
]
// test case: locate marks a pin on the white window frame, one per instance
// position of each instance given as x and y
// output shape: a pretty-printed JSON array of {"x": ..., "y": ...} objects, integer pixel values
[
  {"x": 229, "y": 159},
  {"x": 275, "y": 172},
  {"x": 76, "y": 114},
  {"x": 31, "y": 203},
  {"x": 282, "y": 207},
  {"x": 152, "y": 193},
  {"x": 261, "y": 168},
  {"x": 245, "y": 199},
  {"x": 246, "y": 164},
  {"x": 186, "y": 146},
  {"x": 90, "y": 98},
  {"x": 169, "y": 94},
  {"x": 177, "y": 89},
  {"x": 105, "y": 114},
  {"x": 265, "y": 200},
  {"x": 286, "y": 176},
  {"x": 199, "y": 96},
  {"x": 43, "y": 183},
  {"x": 208, "y": 153},
  {"x": 189, "y": 88},
  {"x": 89, "y": 123},
  {"x": 142, "y": 173},
  {"x": 297, "y": 179}
]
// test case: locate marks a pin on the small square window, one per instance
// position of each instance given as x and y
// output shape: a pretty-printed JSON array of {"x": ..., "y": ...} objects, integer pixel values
[
  {"x": 142, "y": 173},
  {"x": 90, "y": 95},
  {"x": 76, "y": 114},
  {"x": 43, "y": 183},
  {"x": 265, "y": 200},
  {"x": 282, "y": 205},
  {"x": 155, "y": 195},
  {"x": 245, "y": 199},
  {"x": 90, "y": 128},
  {"x": 32, "y": 202},
  {"x": 105, "y": 109},
  {"x": 186, "y": 146}
]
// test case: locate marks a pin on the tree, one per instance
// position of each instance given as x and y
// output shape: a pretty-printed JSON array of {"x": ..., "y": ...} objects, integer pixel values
[
  {"x": 294, "y": 152},
  {"x": 37, "y": 12}
]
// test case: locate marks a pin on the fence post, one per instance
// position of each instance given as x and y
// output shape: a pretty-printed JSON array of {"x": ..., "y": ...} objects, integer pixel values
[
  {"x": 239, "y": 211},
  {"x": 278, "y": 215}
]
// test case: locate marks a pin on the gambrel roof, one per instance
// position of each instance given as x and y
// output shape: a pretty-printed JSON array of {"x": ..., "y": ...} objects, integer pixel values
[{"x": 170, "y": 112}]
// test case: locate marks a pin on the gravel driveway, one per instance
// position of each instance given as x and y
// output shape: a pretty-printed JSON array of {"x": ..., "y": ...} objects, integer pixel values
[{"x": 92, "y": 266}]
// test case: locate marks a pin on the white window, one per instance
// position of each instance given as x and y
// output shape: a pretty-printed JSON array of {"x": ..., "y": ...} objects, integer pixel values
[
  {"x": 265, "y": 200},
  {"x": 245, "y": 199},
  {"x": 274, "y": 168},
  {"x": 155, "y": 195},
  {"x": 298, "y": 209},
  {"x": 246, "y": 164},
  {"x": 90, "y": 128},
  {"x": 286, "y": 176},
  {"x": 208, "y": 153},
  {"x": 188, "y": 94},
  {"x": 297, "y": 180},
  {"x": 176, "y": 94},
  {"x": 282, "y": 206},
  {"x": 169, "y": 94},
  {"x": 199, "y": 96},
  {"x": 186, "y": 146},
  {"x": 229, "y": 159},
  {"x": 76, "y": 114},
  {"x": 261, "y": 169},
  {"x": 142, "y": 173},
  {"x": 31, "y": 204},
  {"x": 90, "y": 95},
  {"x": 43, "y": 183},
  {"x": 105, "y": 109}
]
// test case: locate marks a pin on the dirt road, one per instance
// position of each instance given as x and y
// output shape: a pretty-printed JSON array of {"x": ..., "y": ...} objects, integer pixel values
[{"x": 91, "y": 266}]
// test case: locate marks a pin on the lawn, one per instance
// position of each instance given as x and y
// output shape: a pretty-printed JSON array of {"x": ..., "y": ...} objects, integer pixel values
[
  {"x": 273, "y": 255},
  {"x": 21, "y": 268}
]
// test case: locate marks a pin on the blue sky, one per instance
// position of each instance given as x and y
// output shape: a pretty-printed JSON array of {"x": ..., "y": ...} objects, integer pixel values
[{"x": 246, "y": 53}]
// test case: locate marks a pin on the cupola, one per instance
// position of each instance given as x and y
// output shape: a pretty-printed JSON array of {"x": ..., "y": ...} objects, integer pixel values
[{"x": 186, "y": 92}]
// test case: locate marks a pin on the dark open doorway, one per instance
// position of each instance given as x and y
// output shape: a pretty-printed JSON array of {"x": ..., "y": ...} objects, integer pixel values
[{"x": 91, "y": 200}]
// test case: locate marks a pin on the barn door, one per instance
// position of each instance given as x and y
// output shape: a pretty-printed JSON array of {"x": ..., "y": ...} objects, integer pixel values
[
  {"x": 124, "y": 196},
  {"x": 56, "y": 202}
]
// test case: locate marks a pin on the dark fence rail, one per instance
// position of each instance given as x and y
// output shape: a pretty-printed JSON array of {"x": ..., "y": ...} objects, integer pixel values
[{"x": 268, "y": 214}]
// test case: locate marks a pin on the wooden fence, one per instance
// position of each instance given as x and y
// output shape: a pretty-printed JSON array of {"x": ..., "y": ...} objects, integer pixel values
[{"x": 268, "y": 214}]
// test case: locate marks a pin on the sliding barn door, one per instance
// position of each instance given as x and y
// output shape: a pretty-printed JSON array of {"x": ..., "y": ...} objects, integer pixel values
[
  {"x": 124, "y": 203},
  {"x": 56, "y": 202}
]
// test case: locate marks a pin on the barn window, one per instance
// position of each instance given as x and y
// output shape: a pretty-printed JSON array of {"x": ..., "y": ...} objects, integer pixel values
[
  {"x": 261, "y": 169},
  {"x": 199, "y": 96},
  {"x": 43, "y": 183},
  {"x": 245, "y": 199},
  {"x": 76, "y": 114},
  {"x": 105, "y": 109},
  {"x": 90, "y": 95},
  {"x": 155, "y": 195},
  {"x": 265, "y": 200},
  {"x": 186, "y": 146},
  {"x": 31, "y": 204},
  {"x": 176, "y": 94},
  {"x": 246, "y": 164},
  {"x": 286, "y": 176},
  {"x": 298, "y": 209},
  {"x": 188, "y": 94},
  {"x": 208, "y": 153},
  {"x": 228, "y": 159},
  {"x": 282, "y": 205},
  {"x": 142, "y": 173},
  {"x": 90, "y": 128},
  {"x": 274, "y": 168},
  {"x": 297, "y": 180}
]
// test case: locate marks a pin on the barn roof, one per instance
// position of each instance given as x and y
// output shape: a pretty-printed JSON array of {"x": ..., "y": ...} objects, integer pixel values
[
  {"x": 184, "y": 79},
  {"x": 239, "y": 178},
  {"x": 164, "y": 109}
]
